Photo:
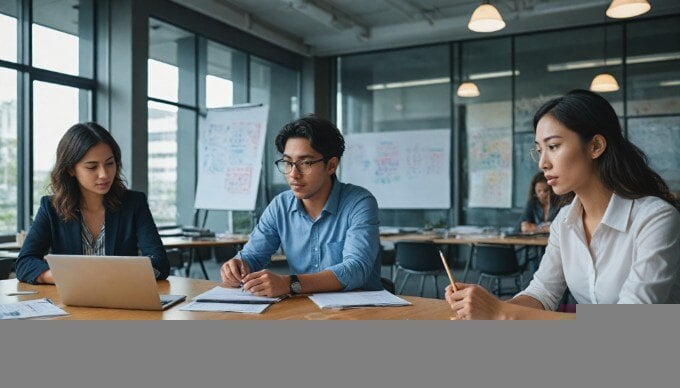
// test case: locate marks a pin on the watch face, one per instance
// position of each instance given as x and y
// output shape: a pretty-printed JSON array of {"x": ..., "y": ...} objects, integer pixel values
[{"x": 295, "y": 287}]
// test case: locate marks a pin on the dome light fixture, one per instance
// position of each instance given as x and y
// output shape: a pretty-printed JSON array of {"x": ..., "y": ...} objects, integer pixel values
[
  {"x": 486, "y": 18},
  {"x": 622, "y": 9}
]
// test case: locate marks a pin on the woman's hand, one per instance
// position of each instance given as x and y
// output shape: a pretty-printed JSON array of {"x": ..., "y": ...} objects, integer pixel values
[
  {"x": 45, "y": 277},
  {"x": 474, "y": 302}
]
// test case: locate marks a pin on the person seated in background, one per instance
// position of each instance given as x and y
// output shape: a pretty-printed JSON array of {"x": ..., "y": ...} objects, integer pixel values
[
  {"x": 327, "y": 229},
  {"x": 618, "y": 240},
  {"x": 91, "y": 212},
  {"x": 541, "y": 208}
]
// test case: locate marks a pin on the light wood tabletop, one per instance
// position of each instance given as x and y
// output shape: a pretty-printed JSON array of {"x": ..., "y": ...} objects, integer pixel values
[{"x": 295, "y": 308}]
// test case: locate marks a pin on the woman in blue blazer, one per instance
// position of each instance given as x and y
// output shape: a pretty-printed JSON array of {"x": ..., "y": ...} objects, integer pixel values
[{"x": 91, "y": 211}]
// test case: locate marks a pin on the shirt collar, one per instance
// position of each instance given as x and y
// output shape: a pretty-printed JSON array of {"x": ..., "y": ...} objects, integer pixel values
[
  {"x": 332, "y": 202},
  {"x": 616, "y": 216}
]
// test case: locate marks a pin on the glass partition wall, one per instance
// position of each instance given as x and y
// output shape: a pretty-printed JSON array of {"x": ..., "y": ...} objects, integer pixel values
[
  {"x": 393, "y": 91},
  {"x": 492, "y": 132}
]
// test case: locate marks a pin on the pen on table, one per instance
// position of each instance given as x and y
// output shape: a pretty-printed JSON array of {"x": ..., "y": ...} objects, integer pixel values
[
  {"x": 448, "y": 272},
  {"x": 13, "y": 293}
]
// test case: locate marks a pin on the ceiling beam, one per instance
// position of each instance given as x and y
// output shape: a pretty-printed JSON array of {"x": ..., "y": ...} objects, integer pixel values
[
  {"x": 330, "y": 17},
  {"x": 227, "y": 13}
]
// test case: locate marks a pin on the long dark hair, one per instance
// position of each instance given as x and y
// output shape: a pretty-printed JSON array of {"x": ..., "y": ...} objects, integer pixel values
[
  {"x": 538, "y": 178},
  {"x": 622, "y": 167},
  {"x": 71, "y": 149}
]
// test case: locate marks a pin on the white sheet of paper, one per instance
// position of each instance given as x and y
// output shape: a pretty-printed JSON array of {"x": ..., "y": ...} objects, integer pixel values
[
  {"x": 226, "y": 307},
  {"x": 357, "y": 299},
  {"x": 37, "y": 308},
  {"x": 232, "y": 295}
]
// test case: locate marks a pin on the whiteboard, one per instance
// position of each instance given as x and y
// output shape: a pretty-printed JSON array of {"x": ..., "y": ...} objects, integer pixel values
[
  {"x": 403, "y": 170},
  {"x": 230, "y": 150}
]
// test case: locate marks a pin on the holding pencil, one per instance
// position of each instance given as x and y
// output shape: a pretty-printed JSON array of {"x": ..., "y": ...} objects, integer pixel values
[{"x": 448, "y": 272}]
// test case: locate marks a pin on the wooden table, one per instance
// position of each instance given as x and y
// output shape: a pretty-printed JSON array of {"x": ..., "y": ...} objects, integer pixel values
[
  {"x": 472, "y": 240},
  {"x": 202, "y": 242},
  {"x": 296, "y": 308}
]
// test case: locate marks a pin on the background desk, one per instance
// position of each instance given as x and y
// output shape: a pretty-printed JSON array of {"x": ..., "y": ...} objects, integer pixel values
[
  {"x": 208, "y": 242},
  {"x": 297, "y": 308},
  {"x": 472, "y": 240}
]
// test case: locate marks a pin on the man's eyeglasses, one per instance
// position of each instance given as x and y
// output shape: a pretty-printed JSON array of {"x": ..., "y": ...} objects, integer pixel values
[{"x": 303, "y": 166}]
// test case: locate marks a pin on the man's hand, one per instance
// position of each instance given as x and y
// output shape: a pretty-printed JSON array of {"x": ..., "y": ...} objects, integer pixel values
[
  {"x": 233, "y": 272},
  {"x": 266, "y": 283}
]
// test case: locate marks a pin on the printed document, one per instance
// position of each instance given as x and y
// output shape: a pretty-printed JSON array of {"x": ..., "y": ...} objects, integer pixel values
[
  {"x": 233, "y": 295},
  {"x": 341, "y": 300},
  {"x": 226, "y": 307},
  {"x": 37, "y": 308}
]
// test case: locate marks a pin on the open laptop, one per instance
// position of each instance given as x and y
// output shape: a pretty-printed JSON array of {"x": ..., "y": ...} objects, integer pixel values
[{"x": 122, "y": 282}]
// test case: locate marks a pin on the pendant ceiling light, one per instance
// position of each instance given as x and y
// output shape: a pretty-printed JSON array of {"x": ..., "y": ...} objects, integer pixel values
[
  {"x": 621, "y": 9},
  {"x": 486, "y": 18},
  {"x": 467, "y": 89},
  {"x": 604, "y": 82}
]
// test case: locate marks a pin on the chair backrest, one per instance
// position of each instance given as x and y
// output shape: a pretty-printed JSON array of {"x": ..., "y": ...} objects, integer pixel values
[
  {"x": 496, "y": 259},
  {"x": 5, "y": 268},
  {"x": 418, "y": 256},
  {"x": 388, "y": 285},
  {"x": 387, "y": 257}
]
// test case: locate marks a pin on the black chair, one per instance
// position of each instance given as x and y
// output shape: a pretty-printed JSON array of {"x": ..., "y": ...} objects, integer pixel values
[
  {"x": 6, "y": 266},
  {"x": 496, "y": 262},
  {"x": 387, "y": 257},
  {"x": 387, "y": 284},
  {"x": 417, "y": 258}
]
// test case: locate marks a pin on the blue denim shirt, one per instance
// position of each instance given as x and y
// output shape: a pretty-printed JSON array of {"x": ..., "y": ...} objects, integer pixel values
[{"x": 344, "y": 239}]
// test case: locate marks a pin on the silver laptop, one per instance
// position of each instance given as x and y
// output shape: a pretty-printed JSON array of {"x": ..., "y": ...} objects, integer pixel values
[{"x": 122, "y": 282}]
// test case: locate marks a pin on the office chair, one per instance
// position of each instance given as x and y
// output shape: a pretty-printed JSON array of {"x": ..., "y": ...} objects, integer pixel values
[
  {"x": 495, "y": 262},
  {"x": 387, "y": 257},
  {"x": 387, "y": 284},
  {"x": 417, "y": 258},
  {"x": 6, "y": 268}
]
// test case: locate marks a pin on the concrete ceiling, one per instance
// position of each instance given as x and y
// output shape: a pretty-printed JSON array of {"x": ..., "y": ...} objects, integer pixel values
[{"x": 331, "y": 27}]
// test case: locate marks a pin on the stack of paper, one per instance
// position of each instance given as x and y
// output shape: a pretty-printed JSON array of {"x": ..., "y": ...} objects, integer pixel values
[
  {"x": 342, "y": 300},
  {"x": 37, "y": 308},
  {"x": 230, "y": 300}
]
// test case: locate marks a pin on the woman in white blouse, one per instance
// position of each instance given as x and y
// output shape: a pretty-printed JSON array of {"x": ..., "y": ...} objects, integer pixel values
[{"x": 617, "y": 242}]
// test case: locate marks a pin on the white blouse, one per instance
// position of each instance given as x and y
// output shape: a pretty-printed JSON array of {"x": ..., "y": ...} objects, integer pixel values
[{"x": 633, "y": 257}]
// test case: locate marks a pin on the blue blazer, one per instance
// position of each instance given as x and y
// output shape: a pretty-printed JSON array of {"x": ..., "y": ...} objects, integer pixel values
[{"x": 129, "y": 230}]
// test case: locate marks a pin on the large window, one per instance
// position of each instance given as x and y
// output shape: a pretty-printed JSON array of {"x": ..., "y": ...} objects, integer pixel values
[
  {"x": 189, "y": 74},
  {"x": 171, "y": 72},
  {"x": 55, "y": 109},
  {"x": 61, "y": 40},
  {"x": 8, "y": 151}
]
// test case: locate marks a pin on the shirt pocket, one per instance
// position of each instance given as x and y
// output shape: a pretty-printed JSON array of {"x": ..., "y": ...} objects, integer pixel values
[{"x": 332, "y": 254}]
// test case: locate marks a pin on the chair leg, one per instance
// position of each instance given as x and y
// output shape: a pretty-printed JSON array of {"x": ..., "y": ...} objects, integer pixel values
[
  {"x": 422, "y": 285},
  {"x": 498, "y": 286},
  {"x": 403, "y": 283}
]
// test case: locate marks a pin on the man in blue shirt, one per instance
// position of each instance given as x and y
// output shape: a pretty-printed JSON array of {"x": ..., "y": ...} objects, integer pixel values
[{"x": 327, "y": 229}]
